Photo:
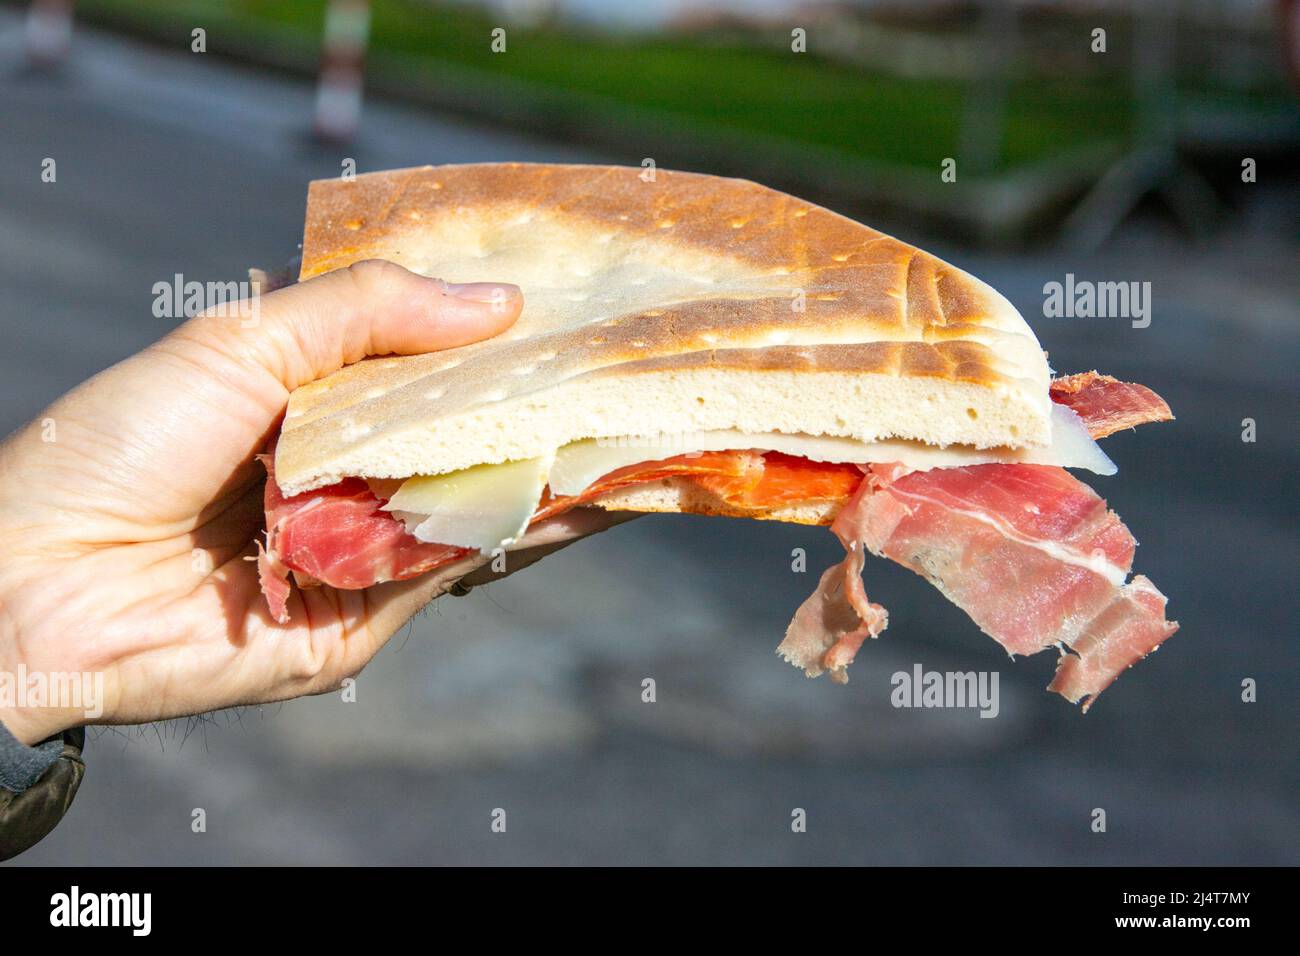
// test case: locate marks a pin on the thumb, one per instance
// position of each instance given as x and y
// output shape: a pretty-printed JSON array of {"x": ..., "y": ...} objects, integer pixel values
[
  {"x": 173, "y": 429},
  {"x": 305, "y": 331}
]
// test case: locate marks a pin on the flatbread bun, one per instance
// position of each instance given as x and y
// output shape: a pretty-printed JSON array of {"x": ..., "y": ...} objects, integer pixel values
[{"x": 655, "y": 302}]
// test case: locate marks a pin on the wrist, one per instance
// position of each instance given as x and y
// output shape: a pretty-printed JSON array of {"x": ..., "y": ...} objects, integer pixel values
[
  {"x": 27, "y": 710},
  {"x": 24, "y": 695},
  {"x": 28, "y": 725}
]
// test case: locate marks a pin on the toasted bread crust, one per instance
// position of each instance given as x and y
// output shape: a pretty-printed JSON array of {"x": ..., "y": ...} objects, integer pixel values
[{"x": 652, "y": 304}]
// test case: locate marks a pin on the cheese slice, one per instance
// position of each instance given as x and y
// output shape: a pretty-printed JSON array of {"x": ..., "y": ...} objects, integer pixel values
[
  {"x": 579, "y": 464},
  {"x": 490, "y": 506},
  {"x": 485, "y": 507}
]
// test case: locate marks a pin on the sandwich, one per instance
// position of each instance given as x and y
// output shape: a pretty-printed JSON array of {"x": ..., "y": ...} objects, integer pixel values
[{"x": 696, "y": 344}]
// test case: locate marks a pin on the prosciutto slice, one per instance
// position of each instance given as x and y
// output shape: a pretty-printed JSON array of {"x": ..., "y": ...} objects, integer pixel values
[
  {"x": 1108, "y": 405},
  {"x": 340, "y": 535},
  {"x": 829, "y": 628},
  {"x": 1029, "y": 552},
  {"x": 337, "y": 535},
  {"x": 1128, "y": 629}
]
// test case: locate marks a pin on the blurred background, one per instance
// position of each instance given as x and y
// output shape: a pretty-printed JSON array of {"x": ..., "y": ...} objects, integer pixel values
[{"x": 1115, "y": 141}]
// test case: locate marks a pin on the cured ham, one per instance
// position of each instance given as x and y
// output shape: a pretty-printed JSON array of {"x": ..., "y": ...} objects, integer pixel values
[
  {"x": 273, "y": 578},
  {"x": 830, "y": 627},
  {"x": 784, "y": 480},
  {"x": 726, "y": 469},
  {"x": 1128, "y": 629},
  {"x": 1032, "y": 555},
  {"x": 1108, "y": 405},
  {"x": 746, "y": 480},
  {"x": 1025, "y": 550},
  {"x": 338, "y": 536}
]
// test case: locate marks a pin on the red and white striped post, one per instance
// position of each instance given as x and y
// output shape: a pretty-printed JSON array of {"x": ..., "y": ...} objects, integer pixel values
[
  {"x": 47, "y": 32},
  {"x": 343, "y": 57}
]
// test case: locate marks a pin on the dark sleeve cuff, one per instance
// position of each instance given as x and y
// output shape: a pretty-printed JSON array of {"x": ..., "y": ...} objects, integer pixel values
[
  {"x": 20, "y": 765},
  {"x": 29, "y": 813}
]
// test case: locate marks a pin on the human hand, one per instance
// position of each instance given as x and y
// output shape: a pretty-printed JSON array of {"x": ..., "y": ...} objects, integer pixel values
[{"x": 129, "y": 507}]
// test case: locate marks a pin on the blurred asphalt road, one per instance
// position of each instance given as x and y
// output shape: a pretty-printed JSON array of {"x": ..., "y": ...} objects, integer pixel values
[{"x": 526, "y": 695}]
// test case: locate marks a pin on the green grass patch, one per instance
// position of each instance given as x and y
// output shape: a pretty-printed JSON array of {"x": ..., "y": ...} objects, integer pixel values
[{"x": 722, "y": 85}]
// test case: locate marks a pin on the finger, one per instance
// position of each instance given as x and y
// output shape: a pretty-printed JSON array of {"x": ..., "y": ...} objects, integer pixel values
[
  {"x": 170, "y": 433},
  {"x": 547, "y": 538},
  {"x": 391, "y": 605},
  {"x": 305, "y": 331},
  {"x": 335, "y": 633}
]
